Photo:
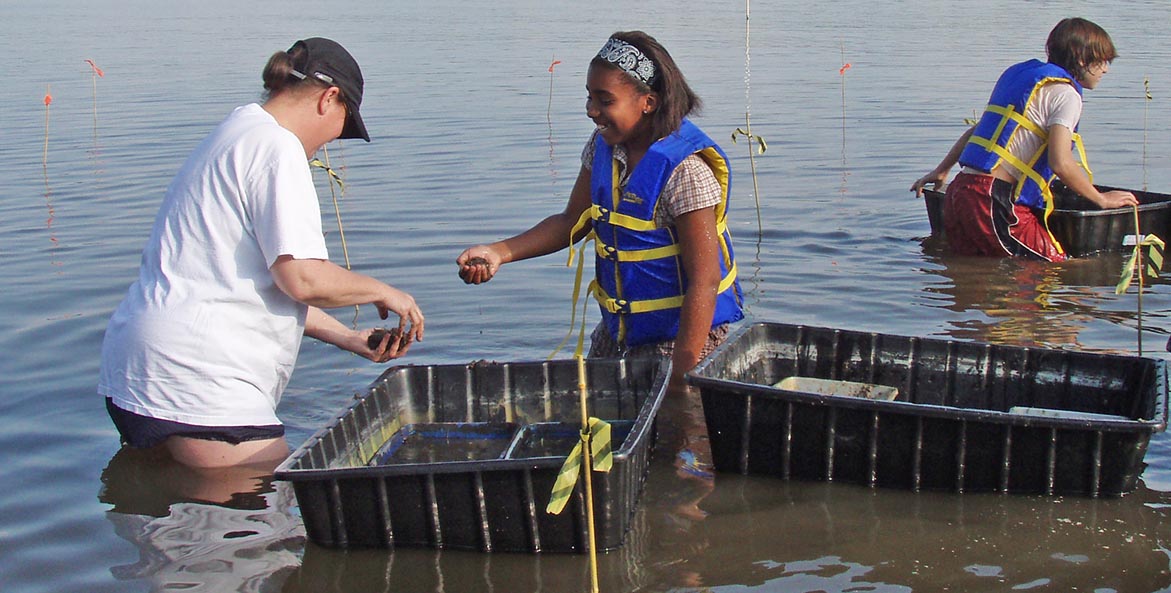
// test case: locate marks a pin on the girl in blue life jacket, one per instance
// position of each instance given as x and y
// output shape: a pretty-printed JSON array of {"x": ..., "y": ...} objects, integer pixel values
[
  {"x": 652, "y": 194},
  {"x": 998, "y": 203}
]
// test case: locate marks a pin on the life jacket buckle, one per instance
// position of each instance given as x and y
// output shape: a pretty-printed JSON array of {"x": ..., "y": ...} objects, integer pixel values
[{"x": 617, "y": 306}]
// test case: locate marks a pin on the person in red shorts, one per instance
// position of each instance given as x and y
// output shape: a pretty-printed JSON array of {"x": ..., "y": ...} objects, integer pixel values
[{"x": 999, "y": 202}]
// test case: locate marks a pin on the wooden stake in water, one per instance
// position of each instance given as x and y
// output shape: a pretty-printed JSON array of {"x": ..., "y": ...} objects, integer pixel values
[
  {"x": 549, "y": 110},
  {"x": 549, "y": 120},
  {"x": 842, "y": 75},
  {"x": 586, "y": 463},
  {"x": 45, "y": 158},
  {"x": 332, "y": 177},
  {"x": 746, "y": 131},
  {"x": 97, "y": 72},
  {"x": 1136, "y": 266},
  {"x": 1147, "y": 92},
  {"x": 1139, "y": 266}
]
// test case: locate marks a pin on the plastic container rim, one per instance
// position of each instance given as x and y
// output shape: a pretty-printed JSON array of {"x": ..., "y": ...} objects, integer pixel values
[
  {"x": 697, "y": 378},
  {"x": 286, "y": 472}
]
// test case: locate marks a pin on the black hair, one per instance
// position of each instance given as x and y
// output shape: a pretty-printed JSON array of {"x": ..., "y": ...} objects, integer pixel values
[{"x": 676, "y": 99}]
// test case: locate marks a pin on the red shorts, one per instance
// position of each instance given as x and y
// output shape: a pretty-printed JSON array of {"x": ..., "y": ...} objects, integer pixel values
[{"x": 980, "y": 218}]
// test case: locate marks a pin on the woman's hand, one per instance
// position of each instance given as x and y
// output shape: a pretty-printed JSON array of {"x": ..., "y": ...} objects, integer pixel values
[
  {"x": 478, "y": 264},
  {"x": 402, "y": 304},
  {"x": 393, "y": 344}
]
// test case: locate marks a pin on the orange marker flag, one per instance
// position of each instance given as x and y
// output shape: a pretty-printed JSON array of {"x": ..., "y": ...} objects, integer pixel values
[
  {"x": 549, "y": 111},
  {"x": 843, "y": 69},
  {"x": 97, "y": 70},
  {"x": 48, "y": 99}
]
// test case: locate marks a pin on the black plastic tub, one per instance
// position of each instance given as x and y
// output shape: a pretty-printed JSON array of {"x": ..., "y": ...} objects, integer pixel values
[
  {"x": 1080, "y": 226},
  {"x": 968, "y": 417},
  {"x": 465, "y": 456}
]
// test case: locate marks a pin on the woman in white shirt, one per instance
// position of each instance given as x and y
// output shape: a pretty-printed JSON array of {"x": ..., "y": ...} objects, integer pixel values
[{"x": 236, "y": 271}]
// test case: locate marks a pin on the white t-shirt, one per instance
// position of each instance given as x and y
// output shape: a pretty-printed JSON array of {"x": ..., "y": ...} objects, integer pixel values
[
  {"x": 1055, "y": 104},
  {"x": 204, "y": 336}
]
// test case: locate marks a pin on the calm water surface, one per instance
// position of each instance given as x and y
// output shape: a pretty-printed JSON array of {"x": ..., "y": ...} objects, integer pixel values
[{"x": 475, "y": 140}]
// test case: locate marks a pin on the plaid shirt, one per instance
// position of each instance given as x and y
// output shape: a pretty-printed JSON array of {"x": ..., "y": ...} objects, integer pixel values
[{"x": 691, "y": 186}]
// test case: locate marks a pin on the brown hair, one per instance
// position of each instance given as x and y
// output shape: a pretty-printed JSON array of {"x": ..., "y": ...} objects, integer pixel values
[
  {"x": 676, "y": 99},
  {"x": 1075, "y": 44},
  {"x": 278, "y": 73}
]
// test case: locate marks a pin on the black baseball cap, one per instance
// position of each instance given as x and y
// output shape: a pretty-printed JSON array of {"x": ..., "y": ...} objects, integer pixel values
[{"x": 326, "y": 60}]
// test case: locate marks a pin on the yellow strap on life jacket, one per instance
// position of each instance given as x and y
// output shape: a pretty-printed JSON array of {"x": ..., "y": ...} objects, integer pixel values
[
  {"x": 573, "y": 306},
  {"x": 625, "y": 255},
  {"x": 721, "y": 171},
  {"x": 1081, "y": 155},
  {"x": 629, "y": 222},
  {"x": 1019, "y": 118},
  {"x": 1027, "y": 170},
  {"x": 616, "y": 306},
  {"x": 616, "y": 195},
  {"x": 610, "y": 252},
  {"x": 587, "y": 216}
]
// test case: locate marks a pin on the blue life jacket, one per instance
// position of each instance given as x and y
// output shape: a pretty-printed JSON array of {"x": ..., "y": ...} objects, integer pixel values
[
  {"x": 1005, "y": 116},
  {"x": 640, "y": 281}
]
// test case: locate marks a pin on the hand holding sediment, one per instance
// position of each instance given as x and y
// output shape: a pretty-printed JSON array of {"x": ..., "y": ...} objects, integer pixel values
[{"x": 477, "y": 265}]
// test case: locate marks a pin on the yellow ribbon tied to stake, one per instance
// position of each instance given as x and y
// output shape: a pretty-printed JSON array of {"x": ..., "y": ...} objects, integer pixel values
[
  {"x": 601, "y": 456},
  {"x": 332, "y": 174},
  {"x": 1153, "y": 261}
]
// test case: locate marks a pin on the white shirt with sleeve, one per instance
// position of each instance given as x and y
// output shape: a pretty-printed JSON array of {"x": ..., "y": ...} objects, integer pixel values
[
  {"x": 204, "y": 336},
  {"x": 1054, "y": 104}
]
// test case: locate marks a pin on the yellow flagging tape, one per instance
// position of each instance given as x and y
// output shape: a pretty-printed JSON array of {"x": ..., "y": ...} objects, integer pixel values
[
  {"x": 573, "y": 305},
  {"x": 1154, "y": 261},
  {"x": 566, "y": 480},
  {"x": 332, "y": 174},
  {"x": 600, "y": 453},
  {"x": 601, "y": 456}
]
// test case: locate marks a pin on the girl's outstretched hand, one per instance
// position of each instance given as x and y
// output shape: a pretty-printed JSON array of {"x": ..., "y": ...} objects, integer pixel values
[{"x": 478, "y": 264}]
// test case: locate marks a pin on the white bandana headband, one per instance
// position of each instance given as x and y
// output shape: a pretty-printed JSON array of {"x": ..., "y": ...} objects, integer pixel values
[{"x": 629, "y": 59}]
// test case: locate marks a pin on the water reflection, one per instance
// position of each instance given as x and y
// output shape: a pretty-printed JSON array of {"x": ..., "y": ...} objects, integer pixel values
[
  {"x": 677, "y": 496},
  {"x": 53, "y": 244},
  {"x": 227, "y": 530},
  {"x": 772, "y": 535},
  {"x": 1030, "y": 303}
]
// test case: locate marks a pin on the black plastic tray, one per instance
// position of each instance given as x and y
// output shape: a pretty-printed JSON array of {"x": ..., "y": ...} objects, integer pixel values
[
  {"x": 379, "y": 475},
  {"x": 1079, "y": 225},
  {"x": 442, "y": 442},
  {"x": 969, "y": 416}
]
